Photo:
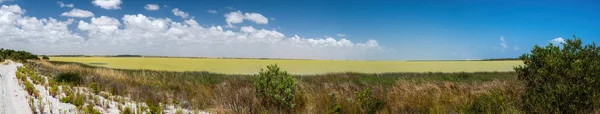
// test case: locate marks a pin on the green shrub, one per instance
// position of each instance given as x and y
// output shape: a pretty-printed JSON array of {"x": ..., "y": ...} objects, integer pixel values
[
  {"x": 275, "y": 87},
  {"x": 95, "y": 88},
  {"x": 90, "y": 110},
  {"x": 367, "y": 102},
  {"x": 155, "y": 109},
  {"x": 45, "y": 58},
  {"x": 54, "y": 90},
  {"x": 69, "y": 77},
  {"x": 561, "y": 79},
  {"x": 127, "y": 110},
  {"x": 30, "y": 88}
]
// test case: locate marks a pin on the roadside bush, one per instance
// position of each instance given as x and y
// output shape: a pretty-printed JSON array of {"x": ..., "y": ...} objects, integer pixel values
[
  {"x": 45, "y": 58},
  {"x": 69, "y": 77},
  {"x": 561, "y": 79},
  {"x": 90, "y": 110},
  {"x": 30, "y": 88},
  {"x": 275, "y": 87},
  {"x": 367, "y": 102}
]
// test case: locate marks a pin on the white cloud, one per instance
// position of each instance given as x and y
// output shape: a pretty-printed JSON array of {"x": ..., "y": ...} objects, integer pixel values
[
  {"x": 237, "y": 17},
  {"x": 256, "y": 17},
  {"x": 108, "y": 4},
  {"x": 64, "y": 5},
  {"x": 503, "y": 43},
  {"x": 341, "y": 35},
  {"x": 212, "y": 11},
  {"x": 103, "y": 24},
  {"x": 234, "y": 18},
  {"x": 557, "y": 41},
  {"x": 152, "y": 7},
  {"x": 230, "y": 8},
  {"x": 78, "y": 13},
  {"x": 180, "y": 13},
  {"x": 140, "y": 34}
]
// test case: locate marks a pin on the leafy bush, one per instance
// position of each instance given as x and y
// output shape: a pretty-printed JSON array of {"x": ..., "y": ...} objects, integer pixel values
[
  {"x": 16, "y": 55},
  {"x": 45, "y": 58},
  {"x": 561, "y": 79},
  {"x": 68, "y": 77},
  {"x": 275, "y": 87},
  {"x": 367, "y": 102}
]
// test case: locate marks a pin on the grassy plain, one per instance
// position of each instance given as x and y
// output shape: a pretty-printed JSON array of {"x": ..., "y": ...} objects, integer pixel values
[{"x": 251, "y": 66}]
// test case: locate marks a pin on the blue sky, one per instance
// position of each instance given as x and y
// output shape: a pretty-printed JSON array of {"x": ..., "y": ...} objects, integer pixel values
[{"x": 426, "y": 29}]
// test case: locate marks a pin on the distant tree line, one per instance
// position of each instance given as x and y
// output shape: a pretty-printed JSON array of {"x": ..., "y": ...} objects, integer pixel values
[{"x": 16, "y": 55}]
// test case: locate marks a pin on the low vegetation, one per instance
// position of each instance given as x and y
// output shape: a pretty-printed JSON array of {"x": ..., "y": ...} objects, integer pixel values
[
  {"x": 21, "y": 56},
  {"x": 553, "y": 79}
]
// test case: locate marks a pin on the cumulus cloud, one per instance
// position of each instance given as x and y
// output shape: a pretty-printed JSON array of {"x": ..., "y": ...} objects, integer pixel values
[
  {"x": 557, "y": 41},
  {"x": 63, "y": 4},
  {"x": 211, "y": 11},
  {"x": 180, "y": 13},
  {"x": 78, "y": 13},
  {"x": 108, "y": 4},
  {"x": 152, "y": 7},
  {"x": 140, "y": 34},
  {"x": 237, "y": 17},
  {"x": 341, "y": 35}
]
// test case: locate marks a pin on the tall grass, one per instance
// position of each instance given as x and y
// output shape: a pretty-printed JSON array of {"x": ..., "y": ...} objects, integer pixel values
[{"x": 428, "y": 92}]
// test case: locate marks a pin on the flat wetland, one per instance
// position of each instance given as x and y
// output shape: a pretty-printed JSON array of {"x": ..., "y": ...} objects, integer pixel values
[{"x": 251, "y": 66}]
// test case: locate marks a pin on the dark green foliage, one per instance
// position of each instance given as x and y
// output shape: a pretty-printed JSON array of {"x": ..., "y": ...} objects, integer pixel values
[
  {"x": 561, "y": 79},
  {"x": 68, "y": 77},
  {"x": 275, "y": 87},
  {"x": 367, "y": 102},
  {"x": 16, "y": 55},
  {"x": 45, "y": 58}
]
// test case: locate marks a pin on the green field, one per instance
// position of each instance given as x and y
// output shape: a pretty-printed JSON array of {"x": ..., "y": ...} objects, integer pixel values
[{"x": 250, "y": 66}]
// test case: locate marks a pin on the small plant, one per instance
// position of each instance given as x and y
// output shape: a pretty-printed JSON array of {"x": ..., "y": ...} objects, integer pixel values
[
  {"x": 69, "y": 77},
  {"x": 31, "y": 104},
  {"x": 30, "y": 88},
  {"x": 41, "y": 105},
  {"x": 95, "y": 88},
  {"x": 335, "y": 107},
  {"x": 90, "y": 110},
  {"x": 127, "y": 110},
  {"x": 155, "y": 109},
  {"x": 275, "y": 87},
  {"x": 367, "y": 102},
  {"x": 54, "y": 90}
]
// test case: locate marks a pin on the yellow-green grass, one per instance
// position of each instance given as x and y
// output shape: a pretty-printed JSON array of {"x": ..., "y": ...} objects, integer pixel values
[{"x": 251, "y": 66}]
